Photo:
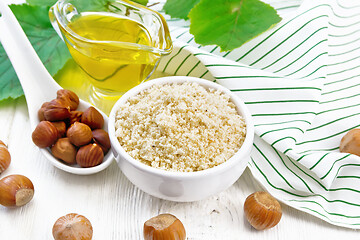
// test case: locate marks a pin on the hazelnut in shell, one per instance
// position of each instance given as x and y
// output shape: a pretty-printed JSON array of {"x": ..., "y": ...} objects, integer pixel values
[
  {"x": 89, "y": 155},
  {"x": 92, "y": 118},
  {"x": 350, "y": 143},
  {"x": 262, "y": 210},
  {"x": 64, "y": 150},
  {"x": 68, "y": 96},
  {"x": 72, "y": 227},
  {"x": 5, "y": 157},
  {"x": 101, "y": 137},
  {"x": 45, "y": 134},
  {"x": 56, "y": 110},
  {"x": 164, "y": 227},
  {"x": 79, "y": 134},
  {"x": 15, "y": 191}
]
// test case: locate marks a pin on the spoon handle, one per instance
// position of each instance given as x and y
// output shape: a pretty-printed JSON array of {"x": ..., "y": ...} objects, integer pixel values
[{"x": 36, "y": 82}]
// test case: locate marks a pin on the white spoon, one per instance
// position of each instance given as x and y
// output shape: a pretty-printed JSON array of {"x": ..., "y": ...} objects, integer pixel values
[{"x": 36, "y": 82}]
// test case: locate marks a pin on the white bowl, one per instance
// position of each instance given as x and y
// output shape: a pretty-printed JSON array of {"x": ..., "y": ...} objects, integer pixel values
[{"x": 182, "y": 186}]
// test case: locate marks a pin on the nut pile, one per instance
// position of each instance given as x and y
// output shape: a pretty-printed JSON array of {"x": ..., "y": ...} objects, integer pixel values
[{"x": 73, "y": 136}]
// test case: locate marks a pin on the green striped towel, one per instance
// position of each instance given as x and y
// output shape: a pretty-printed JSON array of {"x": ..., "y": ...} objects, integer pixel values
[{"x": 300, "y": 81}]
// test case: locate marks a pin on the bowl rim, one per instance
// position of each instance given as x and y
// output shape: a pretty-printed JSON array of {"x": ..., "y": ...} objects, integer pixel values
[{"x": 242, "y": 109}]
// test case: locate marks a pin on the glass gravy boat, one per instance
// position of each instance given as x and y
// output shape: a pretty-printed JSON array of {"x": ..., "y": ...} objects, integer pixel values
[{"x": 118, "y": 46}]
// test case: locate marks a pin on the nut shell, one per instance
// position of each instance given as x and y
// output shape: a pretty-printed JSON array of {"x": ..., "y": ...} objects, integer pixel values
[
  {"x": 56, "y": 110},
  {"x": 262, "y": 210},
  {"x": 5, "y": 157},
  {"x": 92, "y": 118},
  {"x": 68, "y": 96},
  {"x": 89, "y": 156},
  {"x": 350, "y": 142},
  {"x": 79, "y": 134},
  {"x": 64, "y": 150},
  {"x": 164, "y": 227},
  {"x": 15, "y": 191},
  {"x": 72, "y": 227},
  {"x": 45, "y": 134},
  {"x": 101, "y": 137}
]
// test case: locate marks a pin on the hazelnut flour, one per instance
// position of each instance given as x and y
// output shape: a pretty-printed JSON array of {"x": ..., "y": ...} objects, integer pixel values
[{"x": 180, "y": 127}]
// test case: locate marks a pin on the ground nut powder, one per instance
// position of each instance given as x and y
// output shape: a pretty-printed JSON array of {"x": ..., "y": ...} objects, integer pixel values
[{"x": 180, "y": 127}]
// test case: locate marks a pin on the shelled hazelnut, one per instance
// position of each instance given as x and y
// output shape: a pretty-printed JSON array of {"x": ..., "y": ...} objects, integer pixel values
[
  {"x": 61, "y": 127},
  {"x": 75, "y": 116},
  {"x": 41, "y": 111},
  {"x": 89, "y": 155},
  {"x": 64, "y": 150},
  {"x": 56, "y": 110},
  {"x": 79, "y": 134},
  {"x": 101, "y": 137},
  {"x": 70, "y": 97},
  {"x": 45, "y": 134},
  {"x": 92, "y": 118},
  {"x": 66, "y": 131}
]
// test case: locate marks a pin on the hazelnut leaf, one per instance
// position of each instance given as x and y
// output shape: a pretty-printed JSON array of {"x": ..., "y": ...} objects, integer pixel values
[
  {"x": 48, "y": 45},
  {"x": 179, "y": 8},
  {"x": 231, "y": 23},
  {"x": 41, "y": 2}
]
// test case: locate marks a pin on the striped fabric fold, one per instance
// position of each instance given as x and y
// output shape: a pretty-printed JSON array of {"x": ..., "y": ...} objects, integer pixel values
[{"x": 300, "y": 81}]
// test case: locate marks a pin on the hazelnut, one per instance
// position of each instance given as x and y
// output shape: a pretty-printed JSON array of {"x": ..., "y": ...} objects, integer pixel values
[
  {"x": 92, "y": 118},
  {"x": 101, "y": 137},
  {"x": 71, "y": 227},
  {"x": 89, "y": 155},
  {"x": 45, "y": 134},
  {"x": 61, "y": 127},
  {"x": 15, "y": 191},
  {"x": 64, "y": 150},
  {"x": 5, "y": 157},
  {"x": 350, "y": 143},
  {"x": 75, "y": 116},
  {"x": 56, "y": 110},
  {"x": 41, "y": 111},
  {"x": 262, "y": 210},
  {"x": 70, "y": 97},
  {"x": 79, "y": 134},
  {"x": 164, "y": 227}
]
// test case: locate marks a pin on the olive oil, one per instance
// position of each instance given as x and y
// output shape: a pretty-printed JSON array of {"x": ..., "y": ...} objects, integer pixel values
[{"x": 112, "y": 50}]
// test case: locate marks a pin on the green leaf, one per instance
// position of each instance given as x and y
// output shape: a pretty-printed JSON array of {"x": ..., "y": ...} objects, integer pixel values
[
  {"x": 142, "y": 2},
  {"x": 48, "y": 45},
  {"x": 9, "y": 84},
  {"x": 179, "y": 8},
  {"x": 41, "y": 2},
  {"x": 231, "y": 23}
]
